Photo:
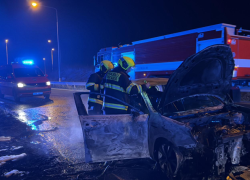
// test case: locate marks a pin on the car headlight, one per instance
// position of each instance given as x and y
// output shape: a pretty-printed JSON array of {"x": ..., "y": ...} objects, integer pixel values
[
  {"x": 48, "y": 83},
  {"x": 20, "y": 85}
]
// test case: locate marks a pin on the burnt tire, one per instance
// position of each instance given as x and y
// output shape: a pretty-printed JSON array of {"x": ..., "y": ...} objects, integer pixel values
[{"x": 167, "y": 160}]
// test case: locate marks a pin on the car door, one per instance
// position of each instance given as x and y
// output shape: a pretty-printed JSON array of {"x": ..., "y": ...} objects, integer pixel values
[{"x": 113, "y": 137}]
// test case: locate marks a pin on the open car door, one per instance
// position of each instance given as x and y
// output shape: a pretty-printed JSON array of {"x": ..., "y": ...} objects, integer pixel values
[{"x": 112, "y": 137}]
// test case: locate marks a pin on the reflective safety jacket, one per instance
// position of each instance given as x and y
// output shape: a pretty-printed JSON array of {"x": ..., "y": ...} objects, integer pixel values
[
  {"x": 93, "y": 84},
  {"x": 116, "y": 83}
]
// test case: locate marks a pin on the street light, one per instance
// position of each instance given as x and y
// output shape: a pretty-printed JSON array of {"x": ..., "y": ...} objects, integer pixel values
[
  {"x": 49, "y": 41},
  {"x": 6, "y": 41},
  {"x": 35, "y": 4},
  {"x": 44, "y": 66},
  {"x": 52, "y": 57}
]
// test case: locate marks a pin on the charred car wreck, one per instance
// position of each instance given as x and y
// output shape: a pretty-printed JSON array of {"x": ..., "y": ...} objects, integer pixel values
[{"x": 192, "y": 125}]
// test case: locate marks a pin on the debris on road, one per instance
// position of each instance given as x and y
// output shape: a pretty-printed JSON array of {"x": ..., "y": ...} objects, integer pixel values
[
  {"x": 14, "y": 172},
  {"x": 35, "y": 142},
  {"x": 16, "y": 147},
  {"x": 4, "y": 159},
  {"x": 239, "y": 169},
  {"x": 239, "y": 172},
  {"x": 13, "y": 148},
  {"x": 3, "y": 138}
]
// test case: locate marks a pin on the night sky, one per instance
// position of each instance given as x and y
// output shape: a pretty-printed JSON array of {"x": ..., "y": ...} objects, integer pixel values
[{"x": 86, "y": 26}]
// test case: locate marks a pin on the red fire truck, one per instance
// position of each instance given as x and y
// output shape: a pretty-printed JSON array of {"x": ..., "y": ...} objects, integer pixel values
[{"x": 160, "y": 56}]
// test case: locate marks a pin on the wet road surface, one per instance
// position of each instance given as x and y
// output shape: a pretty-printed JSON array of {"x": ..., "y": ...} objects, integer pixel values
[{"x": 56, "y": 120}]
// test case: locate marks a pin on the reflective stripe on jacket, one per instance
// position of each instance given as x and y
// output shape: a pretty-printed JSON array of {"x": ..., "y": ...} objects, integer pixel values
[
  {"x": 93, "y": 84},
  {"x": 93, "y": 100},
  {"x": 116, "y": 83},
  {"x": 115, "y": 106}
]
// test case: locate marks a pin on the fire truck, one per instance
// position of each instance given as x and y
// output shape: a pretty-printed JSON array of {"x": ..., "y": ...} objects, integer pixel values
[{"x": 161, "y": 56}]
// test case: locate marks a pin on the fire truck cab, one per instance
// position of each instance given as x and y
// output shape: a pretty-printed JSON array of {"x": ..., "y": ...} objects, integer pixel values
[{"x": 161, "y": 56}]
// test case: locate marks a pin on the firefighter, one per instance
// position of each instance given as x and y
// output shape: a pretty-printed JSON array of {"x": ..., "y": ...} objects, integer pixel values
[
  {"x": 117, "y": 84},
  {"x": 93, "y": 84}
]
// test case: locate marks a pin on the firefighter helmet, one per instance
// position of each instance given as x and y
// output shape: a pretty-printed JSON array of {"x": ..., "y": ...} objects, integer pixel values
[
  {"x": 126, "y": 62},
  {"x": 106, "y": 66}
]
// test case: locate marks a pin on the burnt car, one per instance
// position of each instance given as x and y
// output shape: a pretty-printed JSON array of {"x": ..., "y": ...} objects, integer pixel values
[{"x": 194, "y": 126}]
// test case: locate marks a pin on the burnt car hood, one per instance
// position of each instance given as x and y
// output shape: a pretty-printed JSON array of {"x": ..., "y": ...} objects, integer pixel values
[{"x": 206, "y": 72}]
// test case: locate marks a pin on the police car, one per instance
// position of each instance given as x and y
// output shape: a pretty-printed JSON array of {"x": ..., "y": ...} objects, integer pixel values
[{"x": 23, "y": 80}]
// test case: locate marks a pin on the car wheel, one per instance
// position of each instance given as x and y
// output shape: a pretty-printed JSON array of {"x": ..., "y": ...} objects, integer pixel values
[
  {"x": 47, "y": 96},
  {"x": 167, "y": 160}
]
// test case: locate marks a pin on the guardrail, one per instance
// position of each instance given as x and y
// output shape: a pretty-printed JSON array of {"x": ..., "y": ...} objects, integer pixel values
[
  {"x": 69, "y": 85},
  {"x": 82, "y": 86}
]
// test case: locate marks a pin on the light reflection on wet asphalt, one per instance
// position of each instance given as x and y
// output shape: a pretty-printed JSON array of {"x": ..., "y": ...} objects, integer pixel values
[{"x": 57, "y": 121}]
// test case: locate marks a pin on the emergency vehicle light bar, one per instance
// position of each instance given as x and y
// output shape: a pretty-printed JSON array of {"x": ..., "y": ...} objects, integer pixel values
[{"x": 28, "y": 62}]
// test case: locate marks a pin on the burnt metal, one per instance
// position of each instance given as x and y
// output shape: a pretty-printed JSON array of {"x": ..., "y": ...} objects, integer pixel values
[
  {"x": 79, "y": 104},
  {"x": 215, "y": 136},
  {"x": 206, "y": 72},
  {"x": 82, "y": 110},
  {"x": 114, "y": 137}
]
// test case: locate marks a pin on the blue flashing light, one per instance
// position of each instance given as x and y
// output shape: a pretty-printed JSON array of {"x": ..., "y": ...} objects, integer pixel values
[
  {"x": 28, "y": 62},
  {"x": 115, "y": 64}
]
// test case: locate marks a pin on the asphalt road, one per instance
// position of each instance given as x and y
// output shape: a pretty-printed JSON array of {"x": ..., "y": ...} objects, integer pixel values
[{"x": 56, "y": 120}]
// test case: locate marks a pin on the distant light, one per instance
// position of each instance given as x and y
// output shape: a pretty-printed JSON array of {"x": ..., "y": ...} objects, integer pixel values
[
  {"x": 44, "y": 59},
  {"x": 34, "y": 4},
  {"x": 144, "y": 74},
  {"x": 229, "y": 41},
  {"x": 6, "y": 40},
  {"x": 20, "y": 85},
  {"x": 48, "y": 83},
  {"x": 49, "y": 41},
  {"x": 53, "y": 49},
  {"x": 28, "y": 62},
  {"x": 115, "y": 64}
]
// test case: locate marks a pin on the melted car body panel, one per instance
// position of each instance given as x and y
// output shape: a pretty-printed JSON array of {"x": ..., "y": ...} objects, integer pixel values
[
  {"x": 206, "y": 72},
  {"x": 160, "y": 126},
  {"x": 115, "y": 137}
]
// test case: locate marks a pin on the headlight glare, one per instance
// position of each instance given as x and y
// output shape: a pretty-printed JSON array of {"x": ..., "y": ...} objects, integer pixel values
[
  {"x": 48, "y": 83},
  {"x": 20, "y": 85}
]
